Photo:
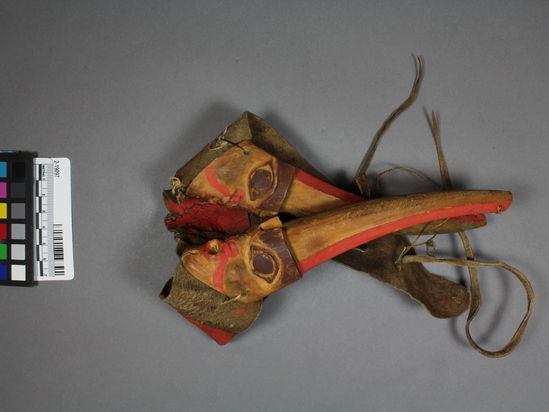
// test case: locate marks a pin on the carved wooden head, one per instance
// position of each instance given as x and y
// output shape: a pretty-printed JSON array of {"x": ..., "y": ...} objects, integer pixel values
[
  {"x": 244, "y": 177},
  {"x": 250, "y": 266}
]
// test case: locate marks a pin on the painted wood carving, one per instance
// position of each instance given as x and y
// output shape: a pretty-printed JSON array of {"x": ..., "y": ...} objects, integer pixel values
[{"x": 225, "y": 210}]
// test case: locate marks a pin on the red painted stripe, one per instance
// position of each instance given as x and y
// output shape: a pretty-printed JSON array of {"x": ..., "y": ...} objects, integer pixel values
[
  {"x": 228, "y": 250},
  {"x": 324, "y": 187},
  {"x": 220, "y": 336},
  {"x": 211, "y": 176},
  {"x": 212, "y": 180},
  {"x": 390, "y": 227}
]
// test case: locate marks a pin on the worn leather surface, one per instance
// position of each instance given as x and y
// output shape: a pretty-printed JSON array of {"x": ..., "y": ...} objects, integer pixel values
[
  {"x": 378, "y": 258},
  {"x": 207, "y": 307}
]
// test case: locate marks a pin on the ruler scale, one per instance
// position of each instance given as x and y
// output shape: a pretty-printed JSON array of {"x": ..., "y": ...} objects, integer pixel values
[
  {"x": 44, "y": 214},
  {"x": 53, "y": 238}
]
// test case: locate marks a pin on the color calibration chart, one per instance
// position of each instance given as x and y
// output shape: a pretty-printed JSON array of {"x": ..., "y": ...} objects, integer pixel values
[
  {"x": 16, "y": 218},
  {"x": 35, "y": 219}
]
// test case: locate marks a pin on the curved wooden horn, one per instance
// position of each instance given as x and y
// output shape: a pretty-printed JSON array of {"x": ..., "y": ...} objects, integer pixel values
[{"x": 317, "y": 238}]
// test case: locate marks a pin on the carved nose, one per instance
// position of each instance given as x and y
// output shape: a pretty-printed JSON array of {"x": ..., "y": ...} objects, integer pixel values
[{"x": 213, "y": 247}]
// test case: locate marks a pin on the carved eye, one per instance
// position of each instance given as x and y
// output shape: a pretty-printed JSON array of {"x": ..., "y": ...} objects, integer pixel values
[
  {"x": 261, "y": 181},
  {"x": 264, "y": 265}
]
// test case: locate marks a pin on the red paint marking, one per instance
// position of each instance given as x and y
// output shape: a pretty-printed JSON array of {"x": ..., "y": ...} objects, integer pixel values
[
  {"x": 228, "y": 251},
  {"x": 211, "y": 176},
  {"x": 212, "y": 180},
  {"x": 324, "y": 187},
  {"x": 220, "y": 336},
  {"x": 240, "y": 311},
  {"x": 390, "y": 227}
]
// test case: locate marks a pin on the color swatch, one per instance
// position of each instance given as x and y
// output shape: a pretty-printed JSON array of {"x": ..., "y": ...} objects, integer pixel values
[{"x": 16, "y": 219}]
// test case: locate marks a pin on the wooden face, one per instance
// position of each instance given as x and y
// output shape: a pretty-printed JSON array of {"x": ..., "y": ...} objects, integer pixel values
[
  {"x": 251, "y": 266},
  {"x": 244, "y": 177}
]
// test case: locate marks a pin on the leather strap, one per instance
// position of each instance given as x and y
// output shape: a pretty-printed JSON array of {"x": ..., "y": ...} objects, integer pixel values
[
  {"x": 476, "y": 300},
  {"x": 472, "y": 265}
]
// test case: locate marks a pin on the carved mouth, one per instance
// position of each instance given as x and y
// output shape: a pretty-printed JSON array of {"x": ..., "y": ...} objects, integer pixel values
[{"x": 236, "y": 198}]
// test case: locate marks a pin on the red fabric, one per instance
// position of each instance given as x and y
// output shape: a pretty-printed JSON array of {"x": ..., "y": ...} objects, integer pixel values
[{"x": 205, "y": 216}]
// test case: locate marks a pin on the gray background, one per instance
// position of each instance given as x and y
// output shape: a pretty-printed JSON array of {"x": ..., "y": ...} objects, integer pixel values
[{"x": 131, "y": 90}]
